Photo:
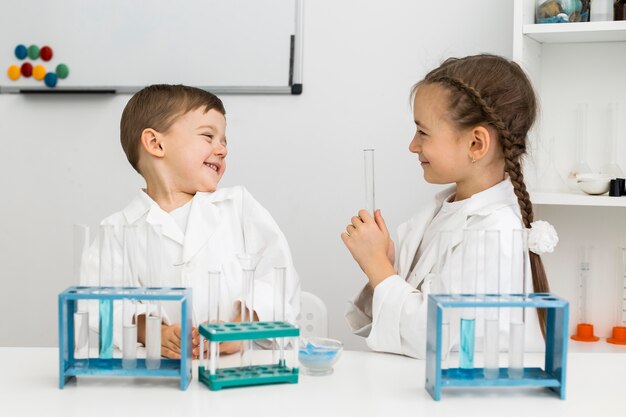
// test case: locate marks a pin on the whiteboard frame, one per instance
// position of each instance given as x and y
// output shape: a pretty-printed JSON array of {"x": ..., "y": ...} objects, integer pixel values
[{"x": 294, "y": 87}]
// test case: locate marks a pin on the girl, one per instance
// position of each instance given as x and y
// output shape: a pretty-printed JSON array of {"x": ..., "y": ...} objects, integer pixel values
[{"x": 472, "y": 116}]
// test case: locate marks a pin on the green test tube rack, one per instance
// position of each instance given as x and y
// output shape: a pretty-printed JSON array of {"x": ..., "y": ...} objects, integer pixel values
[{"x": 275, "y": 373}]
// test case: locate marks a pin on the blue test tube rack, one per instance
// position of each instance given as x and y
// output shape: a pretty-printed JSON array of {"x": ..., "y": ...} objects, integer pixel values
[
  {"x": 70, "y": 367},
  {"x": 552, "y": 377},
  {"x": 248, "y": 375}
]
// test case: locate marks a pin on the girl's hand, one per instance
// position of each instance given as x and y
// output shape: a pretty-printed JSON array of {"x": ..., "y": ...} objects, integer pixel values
[{"x": 368, "y": 241}]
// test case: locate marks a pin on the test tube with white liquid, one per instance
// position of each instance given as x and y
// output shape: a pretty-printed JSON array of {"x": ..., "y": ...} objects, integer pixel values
[
  {"x": 248, "y": 263},
  {"x": 129, "y": 306},
  {"x": 154, "y": 253},
  {"x": 491, "y": 276},
  {"x": 81, "y": 316},
  {"x": 469, "y": 275},
  {"x": 584, "y": 328},
  {"x": 618, "y": 336},
  {"x": 517, "y": 315},
  {"x": 370, "y": 195},
  {"x": 108, "y": 270}
]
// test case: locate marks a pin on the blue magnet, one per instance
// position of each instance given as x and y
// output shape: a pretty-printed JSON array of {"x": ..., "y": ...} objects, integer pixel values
[
  {"x": 50, "y": 79},
  {"x": 21, "y": 51}
]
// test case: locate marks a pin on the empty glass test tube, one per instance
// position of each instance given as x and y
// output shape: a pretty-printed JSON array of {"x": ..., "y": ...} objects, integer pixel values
[
  {"x": 279, "y": 313},
  {"x": 370, "y": 203},
  {"x": 491, "y": 276},
  {"x": 517, "y": 315},
  {"x": 154, "y": 251},
  {"x": 81, "y": 316},
  {"x": 248, "y": 264},
  {"x": 445, "y": 268},
  {"x": 212, "y": 317}
]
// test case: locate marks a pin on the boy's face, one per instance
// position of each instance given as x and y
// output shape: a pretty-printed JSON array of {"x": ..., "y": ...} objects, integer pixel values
[{"x": 195, "y": 151}]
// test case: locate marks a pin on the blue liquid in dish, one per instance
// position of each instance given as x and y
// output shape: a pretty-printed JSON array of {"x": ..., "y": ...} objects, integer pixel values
[
  {"x": 466, "y": 352},
  {"x": 106, "y": 329}
]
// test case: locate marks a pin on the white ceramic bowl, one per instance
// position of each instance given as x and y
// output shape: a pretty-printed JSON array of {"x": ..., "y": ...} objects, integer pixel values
[
  {"x": 595, "y": 187},
  {"x": 318, "y": 355}
]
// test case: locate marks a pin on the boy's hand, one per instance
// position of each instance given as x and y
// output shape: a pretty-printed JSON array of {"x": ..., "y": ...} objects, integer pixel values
[
  {"x": 368, "y": 241},
  {"x": 170, "y": 341}
]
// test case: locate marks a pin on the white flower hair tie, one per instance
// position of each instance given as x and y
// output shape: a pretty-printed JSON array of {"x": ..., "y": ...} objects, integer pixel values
[{"x": 542, "y": 237}]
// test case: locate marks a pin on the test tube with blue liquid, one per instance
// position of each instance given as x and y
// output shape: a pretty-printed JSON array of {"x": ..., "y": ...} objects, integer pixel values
[
  {"x": 81, "y": 316},
  {"x": 491, "y": 277},
  {"x": 107, "y": 274},
  {"x": 154, "y": 254},
  {"x": 129, "y": 307},
  {"x": 519, "y": 269},
  {"x": 469, "y": 274}
]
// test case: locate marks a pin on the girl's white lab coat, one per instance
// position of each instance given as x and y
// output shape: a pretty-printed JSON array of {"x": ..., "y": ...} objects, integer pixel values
[
  {"x": 393, "y": 317},
  {"x": 216, "y": 227}
]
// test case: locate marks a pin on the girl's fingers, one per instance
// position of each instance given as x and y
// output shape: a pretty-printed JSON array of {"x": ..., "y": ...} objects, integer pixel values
[
  {"x": 378, "y": 217},
  {"x": 356, "y": 221}
]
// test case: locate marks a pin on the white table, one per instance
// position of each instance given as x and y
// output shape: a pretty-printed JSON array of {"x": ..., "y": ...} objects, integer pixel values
[{"x": 363, "y": 384}]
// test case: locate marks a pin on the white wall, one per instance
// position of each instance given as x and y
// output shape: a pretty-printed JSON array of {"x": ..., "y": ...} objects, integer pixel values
[{"x": 299, "y": 155}]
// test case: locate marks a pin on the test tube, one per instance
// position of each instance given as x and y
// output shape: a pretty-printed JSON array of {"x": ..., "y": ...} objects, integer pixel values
[
  {"x": 370, "y": 203},
  {"x": 107, "y": 274},
  {"x": 584, "y": 329},
  {"x": 618, "y": 336},
  {"x": 444, "y": 270},
  {"x": 517, "y": 316},
  {"x": 279, "y": 312},
  {"x": 248, "y": 264},
  {"x": 213, "y": 317},
  {"x": 491, "y": 275},
  {"x": 81, "y": 316},
  {"x": 154, "y": 321},
  {"x": 129, "y": 306},
  {"x": 469, "y": 274}
]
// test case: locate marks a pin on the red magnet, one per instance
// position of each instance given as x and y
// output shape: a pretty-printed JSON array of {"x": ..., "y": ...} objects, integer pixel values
[
  {"x": 27, "y": 69},
  {"x": 46, "y": 53}
]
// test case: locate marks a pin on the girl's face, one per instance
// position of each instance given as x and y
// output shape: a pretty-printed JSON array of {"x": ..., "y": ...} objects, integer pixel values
[
  {"x": 195, "y": 150},
  {"x": 443, "y": 151}
]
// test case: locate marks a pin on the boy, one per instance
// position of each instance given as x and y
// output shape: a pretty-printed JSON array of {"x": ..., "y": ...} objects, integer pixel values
[{"x": 174, "y": 136}]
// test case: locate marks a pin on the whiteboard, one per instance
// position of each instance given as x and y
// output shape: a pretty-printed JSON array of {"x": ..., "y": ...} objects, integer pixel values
[{"x": 237, "y": 46}]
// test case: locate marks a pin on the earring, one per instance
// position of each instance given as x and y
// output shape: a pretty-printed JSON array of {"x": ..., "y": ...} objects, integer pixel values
[{"x": 473, "y": 160}]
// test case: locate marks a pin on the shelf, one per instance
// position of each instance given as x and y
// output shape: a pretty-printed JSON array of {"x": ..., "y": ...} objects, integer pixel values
[
  {"x": 577, "y": 32},
  {"x": 576, "y": 199}
]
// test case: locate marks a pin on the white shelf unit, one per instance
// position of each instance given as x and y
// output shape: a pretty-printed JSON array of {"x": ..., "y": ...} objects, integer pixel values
[{"x": 572, "y": 63}]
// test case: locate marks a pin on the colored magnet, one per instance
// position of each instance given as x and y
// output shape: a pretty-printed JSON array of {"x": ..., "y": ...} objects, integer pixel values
[
  {"x": 21, "y": 51},
  {"x": 51, "y": 79},
  {"x": 33, "y": 52},
  {"x": 39, "y": 72},
  {"x": 13, "y": 72},
  {"x": 62, "y": 71},
  {"x": 27, "y": 69},
  {"x": 46, "y": 53}
]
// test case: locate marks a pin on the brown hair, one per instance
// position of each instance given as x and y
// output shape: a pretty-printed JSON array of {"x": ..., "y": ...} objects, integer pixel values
[
  {"x": 158, "y": 107},
  {"x": 491, "y": 90}
]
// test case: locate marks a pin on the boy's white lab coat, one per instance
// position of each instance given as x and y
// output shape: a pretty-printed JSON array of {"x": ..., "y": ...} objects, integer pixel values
[
  {"x": 393, "y": 317},
  {"x": 217, "y": 225}
]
